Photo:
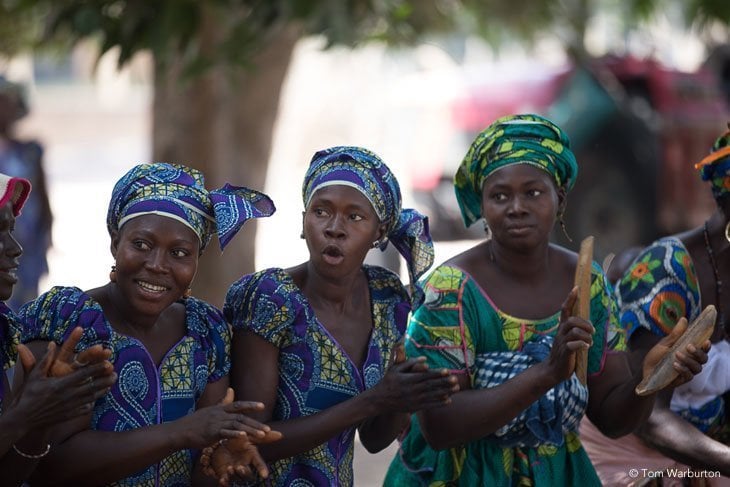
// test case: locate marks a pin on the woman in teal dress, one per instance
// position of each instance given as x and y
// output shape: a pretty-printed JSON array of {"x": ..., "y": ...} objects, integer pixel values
[
  {"x": 497, "y": 315},
  {"x": 170, "y": 350}
]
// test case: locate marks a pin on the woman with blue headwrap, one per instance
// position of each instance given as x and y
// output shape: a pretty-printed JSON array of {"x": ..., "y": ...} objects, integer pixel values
[
  {"x": 316, "y": 342},
  {"x": 170, "y": 350},
  {"x": 498, "y": 317},
  {"x": 675, "y": 277}
]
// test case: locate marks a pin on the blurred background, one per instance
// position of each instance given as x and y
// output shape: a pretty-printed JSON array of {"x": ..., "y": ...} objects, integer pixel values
[{"x": 247, "y": 91}]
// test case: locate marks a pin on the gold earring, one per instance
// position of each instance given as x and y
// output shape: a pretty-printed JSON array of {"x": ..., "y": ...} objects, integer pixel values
[
  {"x": 188, "y": 292},
  {"x": 113, "y": 274},
  {"x": 727, "y": 232}
]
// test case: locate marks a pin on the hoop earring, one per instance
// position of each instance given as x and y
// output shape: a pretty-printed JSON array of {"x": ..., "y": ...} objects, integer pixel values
[
  {"x": 727, "y": 231},
  {"x": 113, "y": 274},
  {"x": 562, "y": 226}
]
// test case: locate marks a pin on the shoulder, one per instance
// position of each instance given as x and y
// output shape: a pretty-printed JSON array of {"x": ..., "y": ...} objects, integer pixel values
[
  {"x": 263, "y": 281},
  {"x": 201, "y": 315}
]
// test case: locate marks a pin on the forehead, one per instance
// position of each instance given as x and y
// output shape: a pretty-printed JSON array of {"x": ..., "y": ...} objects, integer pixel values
[
  {"x": 340, "y": 194},
  {"x": 161, "y": 227},
  {"x": 518, "y": 175}
]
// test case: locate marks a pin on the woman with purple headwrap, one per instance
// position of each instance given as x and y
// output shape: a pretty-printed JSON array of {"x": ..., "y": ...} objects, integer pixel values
[
  {"x": 499, "y": 315},
  {"x": 170, "y": 350},
  {"x": 675, "y": 277},
  {"x": 317, "y": 342}
]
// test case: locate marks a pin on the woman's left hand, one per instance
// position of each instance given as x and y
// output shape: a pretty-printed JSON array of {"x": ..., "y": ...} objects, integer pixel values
[{"x": 688, "y": 362}]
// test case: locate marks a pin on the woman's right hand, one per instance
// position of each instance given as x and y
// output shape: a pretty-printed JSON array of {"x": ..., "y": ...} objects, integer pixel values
[
  {"x": 573, "y": 334},
  {"x": 222, "y": 421},
  {"x": 45, "y": 400}
]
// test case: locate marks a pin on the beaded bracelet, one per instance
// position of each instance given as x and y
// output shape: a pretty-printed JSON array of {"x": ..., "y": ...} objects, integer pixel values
[{"x": 33, "y": 457}]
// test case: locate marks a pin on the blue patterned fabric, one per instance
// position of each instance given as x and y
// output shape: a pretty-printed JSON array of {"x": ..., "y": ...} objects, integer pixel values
[
  {"x": 363, "y": 170},
  {"x": 9, "y": 337},
  {"x": 144, "y": 394},
  {"x": 547, "y": 420},
  {"x": 315, "y": 373},
  {"x": 178, "y": 192}
]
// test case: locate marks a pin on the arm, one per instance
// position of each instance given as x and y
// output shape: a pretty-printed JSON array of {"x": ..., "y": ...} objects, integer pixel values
[
  {"x": 40, "y": 402},
  {"x": 673, "y": 435},
  {"x": 474, "y": 414},
  {"x": 255, "y": 375},
  {"x": 611, "y": 394},
  {"x": 112, "y": 456}
]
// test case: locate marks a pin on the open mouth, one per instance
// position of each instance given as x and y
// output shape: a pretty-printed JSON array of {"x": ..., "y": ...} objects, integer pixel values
[
  {"x": 150, "y": 287},
  {"x": 333, "y": 255}
]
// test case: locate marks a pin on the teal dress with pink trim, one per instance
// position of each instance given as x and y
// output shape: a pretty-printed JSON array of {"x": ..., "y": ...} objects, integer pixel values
[{"x": 456, "y": 327}]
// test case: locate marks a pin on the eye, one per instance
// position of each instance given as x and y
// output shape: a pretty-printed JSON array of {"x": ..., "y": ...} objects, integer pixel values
[
  {"x": 320, "y": 212},
  {"x": 355, "y": 217},
  {"x": 534, "y": 192},
  {"x": 180, "y": 253},
  {"x": 141, "y": 245},
  {"x": 498, "y": 196}
]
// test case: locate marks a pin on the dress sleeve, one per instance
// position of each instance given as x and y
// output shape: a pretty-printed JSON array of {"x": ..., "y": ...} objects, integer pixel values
[
  {"x": 214, "y": 334},
  {"x": 659, "y": 288},
  {"x": 439, "y": 329},
  {"x": 53, "y": 315},
  {"x": 263, "y": 304}
]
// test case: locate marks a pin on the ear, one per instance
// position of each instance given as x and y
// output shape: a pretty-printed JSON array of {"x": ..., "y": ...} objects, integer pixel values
[
  {"x": 114, "y": 243},
  {"x": 382, "y": 228},
  {"x": 562, "y": 200}
]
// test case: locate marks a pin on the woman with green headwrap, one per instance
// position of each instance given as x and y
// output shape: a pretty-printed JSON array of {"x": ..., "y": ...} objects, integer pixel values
[{"x": 497, "y": 316}]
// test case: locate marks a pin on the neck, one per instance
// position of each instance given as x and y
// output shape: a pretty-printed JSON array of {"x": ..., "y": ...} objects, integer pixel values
[
  {"x": 338, "y": 292},
  {"x": 527, "y": 264},
  {"x": 121, "y": 312}
]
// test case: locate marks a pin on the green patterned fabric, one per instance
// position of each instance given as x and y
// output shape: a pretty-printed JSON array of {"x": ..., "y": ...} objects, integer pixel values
[
  {"x": 515, "y": 139},
  {"x": 457, "y": 323}
]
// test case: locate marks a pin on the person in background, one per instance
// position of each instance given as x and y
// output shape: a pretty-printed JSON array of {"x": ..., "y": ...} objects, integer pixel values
[
  {"x": 675, "y": 277},
  {"x": 171, "y": 350},
  {"x": 500, "y": 317},
  {"x": 61, "y": 386},
  {"x": 24, "y": 159},
  {"x": 317, "y": 342}
]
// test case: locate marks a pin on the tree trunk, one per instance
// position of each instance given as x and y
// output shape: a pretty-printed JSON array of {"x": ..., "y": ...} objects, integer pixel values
[{"x": 222, "y": 124}]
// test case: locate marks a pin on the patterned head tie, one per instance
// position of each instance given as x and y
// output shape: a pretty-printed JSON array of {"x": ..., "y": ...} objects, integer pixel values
[
  {"x": 515, "y": 139},
  {"x": 178, "y": 192},
  {"x": 15, "y": 190},
  {"x": 363, "y": 170},
  {"x": 715, "y": 168}
]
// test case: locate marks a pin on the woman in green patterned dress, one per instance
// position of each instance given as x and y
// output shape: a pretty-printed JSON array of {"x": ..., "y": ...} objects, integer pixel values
[{"x": 497, "y": 315}]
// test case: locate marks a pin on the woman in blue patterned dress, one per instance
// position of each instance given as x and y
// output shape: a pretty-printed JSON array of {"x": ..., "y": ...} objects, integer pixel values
[
  {"x": 171, "y": 351},
  {"x": 53, "y": 390},
  {"x": 497, "y": 315},
  {"x": 678, "y": 276},
  {"x": 315, "y": 342}
]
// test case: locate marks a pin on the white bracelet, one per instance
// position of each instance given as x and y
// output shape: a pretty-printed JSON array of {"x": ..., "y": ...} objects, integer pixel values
[{"x": 33, "y": 457}]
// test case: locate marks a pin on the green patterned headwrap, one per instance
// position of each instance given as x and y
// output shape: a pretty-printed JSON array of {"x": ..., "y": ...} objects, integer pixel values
[{"x": 514, "y": 139}]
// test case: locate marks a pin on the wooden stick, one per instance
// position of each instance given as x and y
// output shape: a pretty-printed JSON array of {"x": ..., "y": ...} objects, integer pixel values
[
  {"x": 582, "y": 307},
  {"x": 663, "y": 374}
]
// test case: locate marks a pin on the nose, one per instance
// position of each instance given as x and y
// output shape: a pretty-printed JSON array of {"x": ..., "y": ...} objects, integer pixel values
[
  {"x": 335, "y": 227},
  {"x": 517, "y": 206},
  {"x": 11, "y": 247},
  {"x": 157, "y": 261}
]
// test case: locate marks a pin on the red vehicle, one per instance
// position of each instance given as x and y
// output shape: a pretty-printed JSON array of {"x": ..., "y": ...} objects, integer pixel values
[{"x": 636, "y": 127}]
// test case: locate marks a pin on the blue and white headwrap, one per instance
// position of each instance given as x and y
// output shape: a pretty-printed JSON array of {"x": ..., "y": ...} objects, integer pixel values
[
  {"x": 363, "y": 170},
  {"x": 178, "y": 192}
]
